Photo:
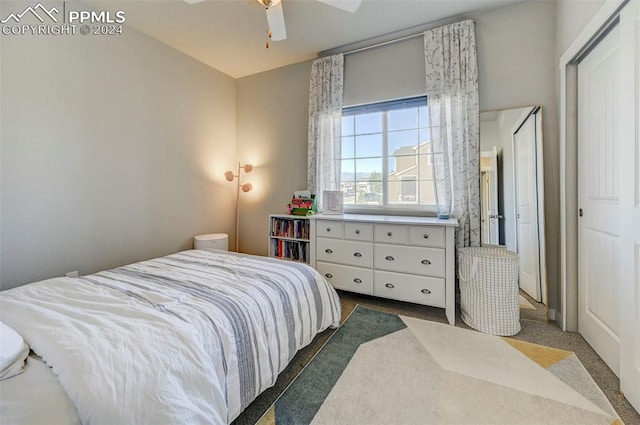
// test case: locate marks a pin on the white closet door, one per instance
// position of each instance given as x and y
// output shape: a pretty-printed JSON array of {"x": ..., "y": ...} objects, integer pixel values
[
  {"x": 527, "y": 207},
  {"x": 630, "y": 204},
  {"x": 598, "y": 199}
]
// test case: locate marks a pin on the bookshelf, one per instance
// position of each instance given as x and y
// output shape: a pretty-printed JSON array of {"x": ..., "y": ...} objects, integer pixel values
[{"x": 289, "y": 237}]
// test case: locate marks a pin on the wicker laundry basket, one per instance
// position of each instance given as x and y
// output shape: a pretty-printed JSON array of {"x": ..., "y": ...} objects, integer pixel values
[{"x": 489, "y": 293}]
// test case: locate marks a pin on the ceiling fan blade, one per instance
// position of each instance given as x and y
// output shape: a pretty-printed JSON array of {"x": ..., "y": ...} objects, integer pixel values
[
  {"x": 348, "y": 5},
  {"x": 193, "y": 1},
  {"x": 275, "y": 18}
]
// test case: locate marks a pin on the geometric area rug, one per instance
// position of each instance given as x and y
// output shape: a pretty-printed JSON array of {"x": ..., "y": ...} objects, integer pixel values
[{"x": 382, "y": 368}]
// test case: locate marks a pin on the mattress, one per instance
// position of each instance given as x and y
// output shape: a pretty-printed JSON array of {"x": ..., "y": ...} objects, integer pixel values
[{"x": 192, "y": 337}]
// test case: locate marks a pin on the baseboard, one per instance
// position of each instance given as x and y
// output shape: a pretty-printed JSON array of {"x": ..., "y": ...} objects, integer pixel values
[{"x": 554, "y": 315}]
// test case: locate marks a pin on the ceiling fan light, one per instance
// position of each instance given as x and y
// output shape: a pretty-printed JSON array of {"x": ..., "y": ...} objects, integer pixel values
[{"x": 268, "y": 3}]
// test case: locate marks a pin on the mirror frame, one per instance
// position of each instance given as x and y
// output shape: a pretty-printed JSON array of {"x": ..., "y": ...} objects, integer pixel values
[{"x": 527, "y": 111}]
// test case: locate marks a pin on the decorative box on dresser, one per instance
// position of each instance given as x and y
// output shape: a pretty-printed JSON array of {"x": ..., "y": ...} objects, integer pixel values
[{"x": 404, "y": 258}]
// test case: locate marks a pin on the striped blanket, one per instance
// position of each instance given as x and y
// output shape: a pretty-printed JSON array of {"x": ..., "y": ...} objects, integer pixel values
[{"x": 192, "y": 337}]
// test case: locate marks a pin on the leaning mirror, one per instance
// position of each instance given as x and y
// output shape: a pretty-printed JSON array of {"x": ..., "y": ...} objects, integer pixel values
[{"x": 512, "y": 191}]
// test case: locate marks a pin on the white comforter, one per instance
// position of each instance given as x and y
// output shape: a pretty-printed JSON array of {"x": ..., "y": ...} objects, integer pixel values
[{"x": 191, "y": 338}]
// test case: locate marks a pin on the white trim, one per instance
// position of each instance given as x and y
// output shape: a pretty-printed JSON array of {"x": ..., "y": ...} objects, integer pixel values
[
  {"x": 568, "y": 262},
  {"x": 602, "y": 16},
  {"x": 542, "y": 231},
  {"x": 426, "y": 210},
  {"x": 563, "y": 198}
]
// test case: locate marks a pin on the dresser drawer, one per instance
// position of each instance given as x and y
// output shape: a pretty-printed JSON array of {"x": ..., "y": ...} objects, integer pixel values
[
  {"x": 427, "y": 236},
  {"x": 352, "y": 279},
  {"x": 391, "y": 233},
  {"x": 408, "y": 259},
  {"x": 341, "y": 251},
  {"x": 358, "y": 231},
  {"x": 415, "y": 289},
  {"x": 330, "y": 229}
]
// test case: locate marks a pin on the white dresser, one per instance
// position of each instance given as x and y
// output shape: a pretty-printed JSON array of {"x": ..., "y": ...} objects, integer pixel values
[{"x": 403, "y": 258}]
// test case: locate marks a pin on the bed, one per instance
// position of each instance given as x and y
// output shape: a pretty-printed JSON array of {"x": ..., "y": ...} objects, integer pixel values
[{"x": 190, "y": 338}]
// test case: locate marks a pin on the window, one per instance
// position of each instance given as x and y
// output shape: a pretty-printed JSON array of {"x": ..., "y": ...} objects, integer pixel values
[{"x": 386, "y": 155}]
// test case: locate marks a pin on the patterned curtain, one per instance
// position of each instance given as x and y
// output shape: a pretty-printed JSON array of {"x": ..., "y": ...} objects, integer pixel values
[
  {"x": 325, "y": 119},
  {"x": 452, "y": 92}
]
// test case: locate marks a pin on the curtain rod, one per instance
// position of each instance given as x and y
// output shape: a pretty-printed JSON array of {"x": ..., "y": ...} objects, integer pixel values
[
  {"x": 390, "y": 38},
  {"x": 383, "y": 43}
]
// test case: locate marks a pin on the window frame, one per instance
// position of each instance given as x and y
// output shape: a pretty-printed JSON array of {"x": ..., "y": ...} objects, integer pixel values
[{"x": 386, "y": 207}]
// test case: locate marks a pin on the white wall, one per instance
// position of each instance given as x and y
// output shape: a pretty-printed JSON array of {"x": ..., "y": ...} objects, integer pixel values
[
  {"x": 272, "y": 134},
  {"x": 113, "y": 151},
  {"x": 572, "y": 17}
]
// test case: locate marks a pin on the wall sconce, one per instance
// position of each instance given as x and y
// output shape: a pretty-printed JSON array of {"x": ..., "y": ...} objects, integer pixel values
[{"x": 246, "y": 187}]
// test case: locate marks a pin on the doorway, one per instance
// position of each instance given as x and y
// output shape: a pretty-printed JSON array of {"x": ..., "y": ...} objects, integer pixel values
[{"x": 489, "y": 213}]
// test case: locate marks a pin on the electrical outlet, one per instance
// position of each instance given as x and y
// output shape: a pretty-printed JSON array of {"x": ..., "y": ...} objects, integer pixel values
[{"x": 72, "y": 274}]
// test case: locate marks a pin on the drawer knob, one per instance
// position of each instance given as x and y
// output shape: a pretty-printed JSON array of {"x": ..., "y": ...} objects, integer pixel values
[
  {"x": 329, "y": 275},
  {"x": 357, "y": 254},
  {"x": 389, "y": 233},
  {"x": 389, "y": 258},
  {"x": 390, "y": 285},
  {"x": 425, "y": 236},
  {"x": 328, "y": 229},
  {"x": 426, "y": 291},
  {"x": 357, "y": 232},
  {"x": 328, "y": 251},
  {"x": 427, "y": 262},
  {"x": 356, "y": 280}
]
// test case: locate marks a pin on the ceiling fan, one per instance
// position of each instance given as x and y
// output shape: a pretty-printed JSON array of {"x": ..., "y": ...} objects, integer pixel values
[{"x": 275, "y": 16}]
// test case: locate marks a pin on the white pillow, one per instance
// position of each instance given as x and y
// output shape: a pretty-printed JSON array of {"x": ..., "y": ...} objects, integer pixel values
[{"x": 13, "y": 352}]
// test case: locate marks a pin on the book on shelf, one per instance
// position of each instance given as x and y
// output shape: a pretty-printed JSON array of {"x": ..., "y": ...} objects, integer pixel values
[
  {"x": 290, "y": 228},
  {"x": 291, "y": 250}
]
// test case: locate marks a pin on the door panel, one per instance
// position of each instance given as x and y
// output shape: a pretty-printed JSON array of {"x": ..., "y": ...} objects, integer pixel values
[
  {"x": 527, "y": 208},
  {"x": 598, "y": 199}
]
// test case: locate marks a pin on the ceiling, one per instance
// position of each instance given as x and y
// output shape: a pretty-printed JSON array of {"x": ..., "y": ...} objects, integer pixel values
[{"x": 230, "y": 35}]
